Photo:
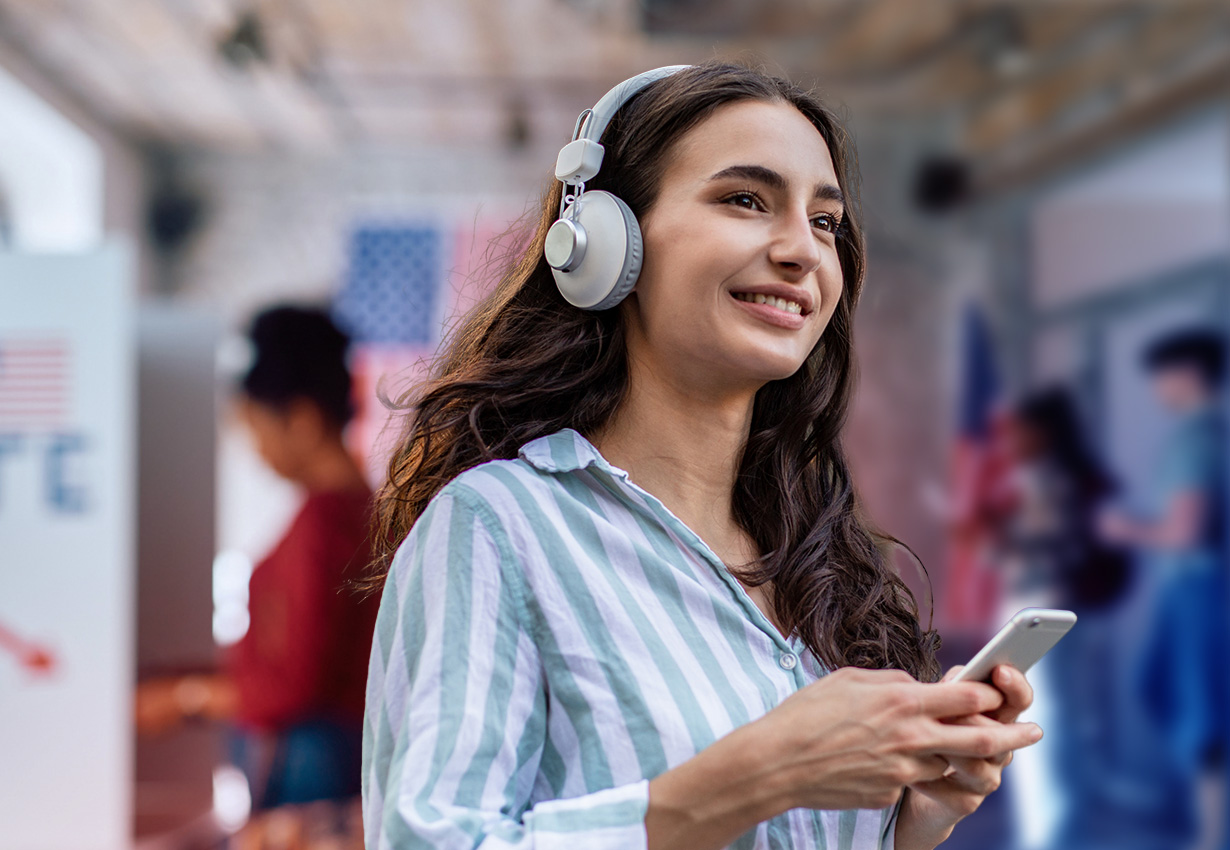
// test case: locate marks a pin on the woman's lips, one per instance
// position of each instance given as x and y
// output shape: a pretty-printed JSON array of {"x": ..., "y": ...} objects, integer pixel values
[
  {"x": 789, "y": 305},
  {"x": 767, "y": 310}
]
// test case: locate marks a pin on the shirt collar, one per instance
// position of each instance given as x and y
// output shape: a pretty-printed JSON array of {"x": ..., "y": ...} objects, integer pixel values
[{"x": 566, "y": 451}]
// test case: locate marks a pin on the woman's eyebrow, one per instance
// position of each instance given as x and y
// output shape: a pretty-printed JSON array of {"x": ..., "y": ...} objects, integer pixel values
[
  {"x": 829, "y": 192},
  {"x": 774, "y": 180},
  {"x": 758, "y": 173}
]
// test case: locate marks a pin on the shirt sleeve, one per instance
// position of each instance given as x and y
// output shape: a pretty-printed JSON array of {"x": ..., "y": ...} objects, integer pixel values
[
  {"x": 1191, "y": 462},
  {"x": 278, "y": 665},
  {"x": 456, "y": 707}
]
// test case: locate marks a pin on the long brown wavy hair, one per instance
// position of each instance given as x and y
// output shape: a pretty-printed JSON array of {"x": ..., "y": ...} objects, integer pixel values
[{"x": 525, "y": 363}]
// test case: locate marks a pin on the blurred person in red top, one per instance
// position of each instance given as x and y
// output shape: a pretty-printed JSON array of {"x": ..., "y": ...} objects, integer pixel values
[{"x": 294, "y": 684}]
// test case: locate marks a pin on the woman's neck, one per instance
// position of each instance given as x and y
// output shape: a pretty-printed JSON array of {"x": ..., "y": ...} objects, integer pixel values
[
  {"x": 684, "y": 447},
  {"x": 331, "y": 468}
]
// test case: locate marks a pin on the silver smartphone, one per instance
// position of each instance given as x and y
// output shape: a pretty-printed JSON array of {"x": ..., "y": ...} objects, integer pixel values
[{"x": 1024, "y": 639}]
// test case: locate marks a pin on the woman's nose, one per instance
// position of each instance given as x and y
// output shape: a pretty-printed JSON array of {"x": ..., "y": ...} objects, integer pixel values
[{"x": 795, "y": 247}]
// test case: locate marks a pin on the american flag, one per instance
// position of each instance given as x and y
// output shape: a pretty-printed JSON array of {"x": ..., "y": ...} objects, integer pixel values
[
  {"x": 396, "y": 294},
  {"x": 393, "y": 287},
  {"x": 377, "y": 371},
  {"x": 35, "y": 382},
  {"x": 972, "y": 582}
]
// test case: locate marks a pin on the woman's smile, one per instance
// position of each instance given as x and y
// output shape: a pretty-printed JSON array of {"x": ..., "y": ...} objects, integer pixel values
[
  {"x": 775, "y": 311},
  {"x": 782, "y": 305},
  {"x": 779, "y": 303}
]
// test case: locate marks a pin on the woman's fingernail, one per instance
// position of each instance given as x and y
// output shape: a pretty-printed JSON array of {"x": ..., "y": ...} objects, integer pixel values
[
  {"x": 1003, "y": 676},
  {"x": 1035, "y": 734}
]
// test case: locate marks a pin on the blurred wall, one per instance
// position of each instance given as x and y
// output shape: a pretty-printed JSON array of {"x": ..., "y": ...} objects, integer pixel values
[
  {"x": 277, "y": 226},
  {"x": 1162, "y": 203},
  {"x": 124, "y": 183}
]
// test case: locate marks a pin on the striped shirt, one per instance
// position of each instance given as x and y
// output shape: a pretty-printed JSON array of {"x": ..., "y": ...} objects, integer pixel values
[{"x": 550, "y": 638}]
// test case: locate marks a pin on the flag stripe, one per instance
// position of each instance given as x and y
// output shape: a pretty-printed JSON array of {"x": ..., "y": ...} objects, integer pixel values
[{"x": 35, "y": 382}]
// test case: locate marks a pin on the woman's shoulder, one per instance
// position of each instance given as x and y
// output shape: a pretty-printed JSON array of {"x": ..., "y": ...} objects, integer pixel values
[
  {"x": 506, "y": 496},
  {"x": 514, "y": 504},
  {"x": 490, "y": 508},
  {"x": 508, "y": 488},
  {"x": 497, "y": 487},
  {"x": 345, "y": 505}
]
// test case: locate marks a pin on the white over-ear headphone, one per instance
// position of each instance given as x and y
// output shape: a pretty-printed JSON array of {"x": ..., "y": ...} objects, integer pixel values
[{"x": 594, "y": 247}]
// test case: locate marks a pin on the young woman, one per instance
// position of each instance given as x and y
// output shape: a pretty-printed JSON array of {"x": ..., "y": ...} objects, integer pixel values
[
  {"x": 293, "y": 685},
  {"x": 635, "y": 587}
]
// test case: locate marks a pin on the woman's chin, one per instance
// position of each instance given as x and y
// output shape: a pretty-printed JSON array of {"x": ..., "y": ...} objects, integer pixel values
[
  {"x": 723, "y": 363},
  {"x": 756, "y": 372}
]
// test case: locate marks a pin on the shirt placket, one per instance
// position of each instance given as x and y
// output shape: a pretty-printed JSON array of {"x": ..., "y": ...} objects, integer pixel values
[{"x": 787, "y": 654}]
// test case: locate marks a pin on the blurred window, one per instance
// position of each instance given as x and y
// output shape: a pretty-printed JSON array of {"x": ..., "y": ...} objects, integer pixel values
[{"x": 51, "y": 176}]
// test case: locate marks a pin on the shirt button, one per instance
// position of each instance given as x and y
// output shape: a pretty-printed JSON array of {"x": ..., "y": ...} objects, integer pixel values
[{"x": 787, "y": 661}]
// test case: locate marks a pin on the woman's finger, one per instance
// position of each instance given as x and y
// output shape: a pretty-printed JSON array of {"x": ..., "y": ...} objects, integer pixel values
[
  {"x": 1000, "y": 759},
  {"x": 952, "y": 673},
  {"x": 975, "y": 776},
  {"x": 932, "y": 767},
  {"x": 1017, "y": 692},
  {"x": 958, "y": 699},
  {"x": 982, "y": 740}
]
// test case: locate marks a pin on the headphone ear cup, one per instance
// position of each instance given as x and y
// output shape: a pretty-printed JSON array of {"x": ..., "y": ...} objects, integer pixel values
[
  {"x": 634, "y": 253},
  {"x": 613, "y": 252}
]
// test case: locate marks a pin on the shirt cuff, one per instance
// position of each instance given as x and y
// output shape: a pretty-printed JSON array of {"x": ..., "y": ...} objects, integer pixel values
[
  {"x": 613, "y": 819},
  {"x": 888, "y": 838}
]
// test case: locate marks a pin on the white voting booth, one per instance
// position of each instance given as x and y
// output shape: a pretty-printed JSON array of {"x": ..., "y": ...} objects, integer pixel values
[{"x": 67, "y": 469}]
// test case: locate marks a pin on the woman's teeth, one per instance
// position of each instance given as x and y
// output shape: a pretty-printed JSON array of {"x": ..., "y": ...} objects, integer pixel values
[{"x": 779, "y": 303}]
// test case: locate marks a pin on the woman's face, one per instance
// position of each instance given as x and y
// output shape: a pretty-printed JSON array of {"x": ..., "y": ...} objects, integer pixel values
[
  {"x": 271, "y": 434},
  {"x": 1022, "y": 440},
  {"x": 741, "y": 273}
]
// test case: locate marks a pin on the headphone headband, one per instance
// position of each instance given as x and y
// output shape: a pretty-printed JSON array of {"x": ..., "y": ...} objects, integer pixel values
[
  {"x": 581, "y": 158},
  {"x": 594, "y": 248}
]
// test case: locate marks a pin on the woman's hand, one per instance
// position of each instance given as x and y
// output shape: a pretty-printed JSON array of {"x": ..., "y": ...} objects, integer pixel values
[
  {"x": 932, "y": 807},
  {"x": 163, "y": 703},
  {"x": 854, "y": 739},
  {"x": 857, "y": 737},
  {"x": 155, "y": 708}
]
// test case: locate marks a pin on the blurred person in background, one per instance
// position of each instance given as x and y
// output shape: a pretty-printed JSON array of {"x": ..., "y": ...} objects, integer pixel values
[
  {"x": 1185, "y": 666},
  {"x": 294, "y": 684},
  {"x": 1047, "y": 544}
]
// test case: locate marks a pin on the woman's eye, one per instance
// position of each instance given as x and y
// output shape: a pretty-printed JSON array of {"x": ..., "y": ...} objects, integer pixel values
[
  {"x": 744, "y": 199},
  {"x": 827, "y": 222}
]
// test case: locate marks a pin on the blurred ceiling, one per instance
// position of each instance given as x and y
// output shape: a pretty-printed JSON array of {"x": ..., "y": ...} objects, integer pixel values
[{"x": 1019, "y": 82}]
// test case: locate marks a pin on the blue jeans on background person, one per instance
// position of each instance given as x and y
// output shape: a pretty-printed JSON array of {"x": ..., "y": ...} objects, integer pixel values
[
  {"x": 318, "y": 759},
  {"x": 1119, "y": 785},
  {"x": 1183, "y": 678},
  {"x": 1170, "y": 711}
]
